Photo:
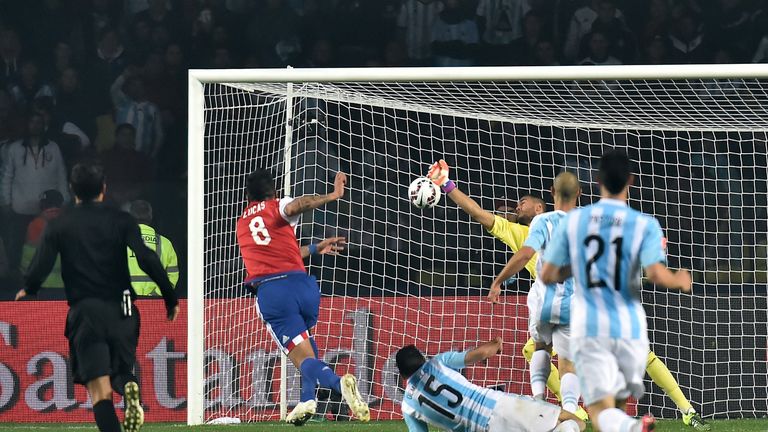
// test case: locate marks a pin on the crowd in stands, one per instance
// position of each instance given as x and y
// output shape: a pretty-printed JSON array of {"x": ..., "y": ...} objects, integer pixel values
[{"x": 106, "y": 79}]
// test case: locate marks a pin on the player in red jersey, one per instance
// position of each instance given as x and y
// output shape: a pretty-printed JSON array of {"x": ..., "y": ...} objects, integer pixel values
[{"x": 287, "y": 298}]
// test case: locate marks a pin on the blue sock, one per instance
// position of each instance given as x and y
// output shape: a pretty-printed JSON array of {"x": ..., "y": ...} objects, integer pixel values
[
  {"x": 317, "y": 371},
  {"x": 308, "y": 385},
  {"x": 314, "y": 347}
]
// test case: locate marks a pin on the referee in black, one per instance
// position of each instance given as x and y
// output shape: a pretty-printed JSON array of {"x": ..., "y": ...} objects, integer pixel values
[{"x": 102, "y": 323}]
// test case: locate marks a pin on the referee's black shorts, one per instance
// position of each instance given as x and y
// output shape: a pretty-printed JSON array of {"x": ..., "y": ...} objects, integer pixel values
[{"x": 101, "y": 341}]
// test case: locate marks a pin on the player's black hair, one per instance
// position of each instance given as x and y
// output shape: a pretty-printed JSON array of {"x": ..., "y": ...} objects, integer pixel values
[
  {"x": 615, "y": 170},
  {"x": 87, "y": 180},
  {"x": 537, "y": 199},
  {"x": 260, "y": 185},
  {"x": 409, "y": 359}
]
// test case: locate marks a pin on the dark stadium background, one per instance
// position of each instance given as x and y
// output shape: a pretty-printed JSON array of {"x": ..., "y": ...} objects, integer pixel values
[{"x": 46, "y": 46}]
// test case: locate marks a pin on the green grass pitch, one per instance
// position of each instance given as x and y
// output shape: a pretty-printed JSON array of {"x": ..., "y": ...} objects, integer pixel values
[{"x": 746, "y": 425}]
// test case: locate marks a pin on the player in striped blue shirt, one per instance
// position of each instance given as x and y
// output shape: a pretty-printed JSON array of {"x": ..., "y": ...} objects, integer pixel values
[
  {"x": 605, "y": 246},
  {"x": 549, "y": 311},
  {"x": 437, "y": 394}
]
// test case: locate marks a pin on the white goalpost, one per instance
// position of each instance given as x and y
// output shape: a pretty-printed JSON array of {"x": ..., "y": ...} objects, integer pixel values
[{"x": 699, "y": 134}]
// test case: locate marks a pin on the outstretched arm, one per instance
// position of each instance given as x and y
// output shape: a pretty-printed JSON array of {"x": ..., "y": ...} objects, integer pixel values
[
  {"x": 42, "y": 263},
  {"x": 483, "y": 352},
  {"x": 330, "y": 246},
  {"x": 438, "y": 173},
  {"x": 311, "y": 202},
  {"x": 472, "y": 208},
  {"x": 653, "y": 259},
  {"x": 513, "y": 267}
]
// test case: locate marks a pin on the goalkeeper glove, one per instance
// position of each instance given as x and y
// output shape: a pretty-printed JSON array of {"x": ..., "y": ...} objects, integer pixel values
[{"x": 438, "y": 173}]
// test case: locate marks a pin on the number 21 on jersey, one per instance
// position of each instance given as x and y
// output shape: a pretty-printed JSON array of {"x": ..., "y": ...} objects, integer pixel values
[{"x": 600, "y": 283}]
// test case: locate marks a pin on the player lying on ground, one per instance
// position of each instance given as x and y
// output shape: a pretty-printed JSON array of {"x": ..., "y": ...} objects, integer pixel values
[
  {"x": 549, "y": 311},
  {"x": 437, "y": 394},
  {"x": 513, "y": 230},
  {"x": 605, "y": 247},
  {"x": 287, "y": 298}
]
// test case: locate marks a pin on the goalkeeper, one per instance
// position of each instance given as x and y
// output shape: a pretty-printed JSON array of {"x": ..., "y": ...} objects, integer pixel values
[{"x": 513, "y": 231}]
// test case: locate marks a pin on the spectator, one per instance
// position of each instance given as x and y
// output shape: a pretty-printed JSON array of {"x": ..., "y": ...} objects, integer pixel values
[
  {"x": 222, "y": 56},
  {"x": 524, "y": 48},
  {"x": 656, "y": 51},
  {"x": 110, "y": 61},
  {"x": 72, "y": 141},
  {"x": 687, "y": 40},
  {"x": 73, "y": 103},
  {"x": 143, "y": 285},
  {"x": 454, "y": 35},
  {"x": 175, "y": 80},
  {"x": 657, "y": 21},
  {"x": 63, "y": 59},
  {"x": 599, "y": 53},
  {"x": 10, "y": 124},
  {"x": 174, "y": 60},
  {"x": 156, "y": 88},
  {"x": 414, "y": 23},
  {"x": 732, "y": 24},
  {"x": 10, "y": 56},
  {"x": 8, "y": 133},
  {"x": 98, "y": 17},
  {"x": 128, "y": 170},
  {"x": 132, "y": 107},
  {"x": 545, "y": 54},
  {"x": 29, "y": 86},
  {"x": 161, "y": 38},
  {"x": 158, "y": 15},
  {"x": 140, "y": 41},
  {"x": 500, "y": 23},
  {"x": 51, "y": 202},
  {"x": 580, "y": 25},
  {"x": 33, "y": 165},
  {"x": 621, "y": 41}
]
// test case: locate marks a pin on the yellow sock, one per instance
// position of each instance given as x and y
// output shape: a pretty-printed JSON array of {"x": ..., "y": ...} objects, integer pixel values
[
  {"x": 659, "y": 373},
  {"x": 553, "y": 381}
]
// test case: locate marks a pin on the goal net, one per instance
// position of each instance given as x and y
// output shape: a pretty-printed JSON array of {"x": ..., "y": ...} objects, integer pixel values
[{"x": 421, "y": 276}]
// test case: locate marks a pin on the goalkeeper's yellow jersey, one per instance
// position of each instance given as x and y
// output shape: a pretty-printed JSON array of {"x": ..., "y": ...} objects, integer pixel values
[{"x": 513, "y": 235}]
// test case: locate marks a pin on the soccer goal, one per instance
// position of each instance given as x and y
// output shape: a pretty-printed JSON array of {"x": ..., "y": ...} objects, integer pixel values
[{"x": 698, "y": 133}]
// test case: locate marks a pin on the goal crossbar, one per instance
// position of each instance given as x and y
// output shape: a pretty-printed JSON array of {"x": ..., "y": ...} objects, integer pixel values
[{"x": 494, "y": 73}]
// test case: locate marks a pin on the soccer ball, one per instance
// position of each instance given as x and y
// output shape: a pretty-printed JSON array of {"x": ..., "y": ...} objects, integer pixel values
[{"x": 423, "y": 193}]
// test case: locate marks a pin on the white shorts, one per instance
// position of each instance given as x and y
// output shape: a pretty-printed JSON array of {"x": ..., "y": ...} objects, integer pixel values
[
  {"x": 544, "y": 332},
  {"x": 610, "y": 367},
  {"x": 515, "y": 413}
]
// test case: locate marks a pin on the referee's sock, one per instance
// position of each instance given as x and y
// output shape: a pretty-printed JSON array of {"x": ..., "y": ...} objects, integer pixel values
[
  {"x": 314, "y": 371},
  {"x": 106, "y": 418}
]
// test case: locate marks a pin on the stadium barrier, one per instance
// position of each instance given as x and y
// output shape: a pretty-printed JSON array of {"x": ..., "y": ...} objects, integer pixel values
[{"x": 358, "y": 335}]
